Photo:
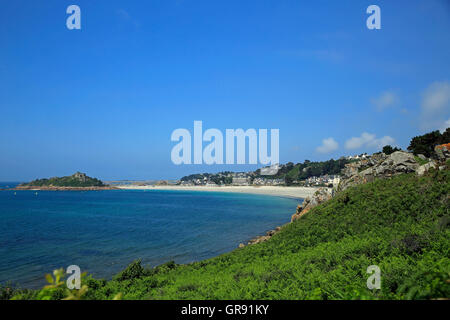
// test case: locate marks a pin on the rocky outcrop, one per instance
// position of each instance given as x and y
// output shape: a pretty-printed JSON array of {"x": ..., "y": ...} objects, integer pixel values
[
  {"x": 353, "y": 168},
  {"x": 397, "y": 163},
  {"x": 425, "y": 167},
  {"x": 378, "y": 166},
  {"x": 269, "y": 234},
  {"x": 422, "y": 157},
  {"x": 80, "y": 176},
  {"x": 443, "y": 151},
  {"x": 319, "y": 197}
]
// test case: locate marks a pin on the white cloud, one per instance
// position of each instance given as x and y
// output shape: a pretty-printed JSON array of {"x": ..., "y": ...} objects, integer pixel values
[
  {"x": 385, "y": 100},
  {"x": 368, "y": 140},
  {"x": 436, "y": 97},
  {"x": 358, "y": 142},
  {"x": 435, "y": 105},
  {"x": 381, "y": 142},
  {"x": 328, "y": 145}
]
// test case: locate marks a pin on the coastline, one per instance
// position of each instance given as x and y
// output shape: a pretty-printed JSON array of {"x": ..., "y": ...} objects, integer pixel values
[
  {"x": 254, "y": 237},
  {"x": 53, "y": 188},
  {"x": 278, "y": 191},
  {"x": 299, "y": 193}
]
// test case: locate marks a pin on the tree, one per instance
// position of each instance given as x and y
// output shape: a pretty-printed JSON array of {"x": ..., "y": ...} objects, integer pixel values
[
  {"x": 389, "y": 149},
  {"x": 425, "y": 144},
  {"x": 288, "y": 180},
  {"x": 445, "y": 138}
]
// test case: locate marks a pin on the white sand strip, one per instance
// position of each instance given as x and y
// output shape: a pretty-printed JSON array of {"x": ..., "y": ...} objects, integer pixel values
[{"x": 291, "y": 192}]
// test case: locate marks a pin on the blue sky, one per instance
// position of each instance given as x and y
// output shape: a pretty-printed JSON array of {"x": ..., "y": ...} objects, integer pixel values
[{"x": 105, "y": 99}]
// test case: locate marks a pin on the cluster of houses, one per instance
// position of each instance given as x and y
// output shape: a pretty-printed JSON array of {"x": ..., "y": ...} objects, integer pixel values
[
  {"x": 236, "y": 181},
  {"x": 325, "y": 180},
  {"x": 222, "y": 178},
  {"x": 197, "y": 182},
  {"x": 267, "y": 182},
  {"x": 233, "y": 178},
  {"x": 249, "y": 179}
]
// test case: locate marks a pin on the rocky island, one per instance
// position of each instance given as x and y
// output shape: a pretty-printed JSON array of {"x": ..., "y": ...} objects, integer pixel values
[{"x": 77, "y": 181}]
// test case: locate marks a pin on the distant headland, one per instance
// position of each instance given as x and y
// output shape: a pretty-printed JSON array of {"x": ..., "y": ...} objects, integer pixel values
[{"x": 77, "y": 181}]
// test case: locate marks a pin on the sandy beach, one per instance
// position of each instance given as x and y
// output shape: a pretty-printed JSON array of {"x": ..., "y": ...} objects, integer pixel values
[{"x": 291, "y": 192}]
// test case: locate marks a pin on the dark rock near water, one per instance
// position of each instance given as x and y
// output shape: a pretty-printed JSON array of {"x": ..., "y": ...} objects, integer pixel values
[{"x": 320, "y": 196}]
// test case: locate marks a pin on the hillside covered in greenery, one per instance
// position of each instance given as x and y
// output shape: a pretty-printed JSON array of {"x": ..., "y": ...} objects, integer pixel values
[
  {"x": 399, "y": 224},
  {"x": 76, "y": 180},
  {"x": 307, "y": 169}
]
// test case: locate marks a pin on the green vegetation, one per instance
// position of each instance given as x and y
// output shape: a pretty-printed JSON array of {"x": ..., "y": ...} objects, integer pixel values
[
  {"x": 76, "y": 180},
  {"x": 399, "y": 224},
  {"x": 421, "y": 161},
  {"x": 389, "y": 149},
  {"x": 8, "y": 291},
  {"x": 425, "y": 144},
  {"x": 218, "y": 178},
  {"x": 307, "y": 169}
]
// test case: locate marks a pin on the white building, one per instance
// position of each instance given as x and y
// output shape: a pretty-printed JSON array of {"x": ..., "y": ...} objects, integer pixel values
[{"x": 241, "y": 181}]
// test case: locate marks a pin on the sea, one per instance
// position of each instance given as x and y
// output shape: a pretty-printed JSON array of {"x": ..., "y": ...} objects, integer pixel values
[{"x": 104, "y": 231}]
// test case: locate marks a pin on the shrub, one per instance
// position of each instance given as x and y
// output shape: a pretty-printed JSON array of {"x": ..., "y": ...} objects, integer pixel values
[
  {"x": 133, "y": 271},
  {"x": 389, "y": 149}
]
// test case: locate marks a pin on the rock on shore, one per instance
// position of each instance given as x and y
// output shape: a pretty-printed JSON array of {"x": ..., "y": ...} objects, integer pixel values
[
  {"x": 320, "y": 196},
  {"x": 260, "y": 239}
]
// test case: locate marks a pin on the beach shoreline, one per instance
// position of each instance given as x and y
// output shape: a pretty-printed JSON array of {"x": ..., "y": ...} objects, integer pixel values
[{"x": 278, "y": 191}]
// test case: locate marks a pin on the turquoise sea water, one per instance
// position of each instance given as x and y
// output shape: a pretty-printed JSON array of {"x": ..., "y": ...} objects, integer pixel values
[{"x": 103, "y": 231}]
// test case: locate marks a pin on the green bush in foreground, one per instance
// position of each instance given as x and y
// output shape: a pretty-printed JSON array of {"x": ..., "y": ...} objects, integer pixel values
[{"x": 400, "y": 224}]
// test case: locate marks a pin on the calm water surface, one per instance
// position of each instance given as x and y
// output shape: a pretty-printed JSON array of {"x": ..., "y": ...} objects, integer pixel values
[{"x": 103, "y": 231}]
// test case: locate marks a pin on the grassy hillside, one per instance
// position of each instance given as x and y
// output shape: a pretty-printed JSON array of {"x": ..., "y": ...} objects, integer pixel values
[{"x": 401, "y": 225}]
